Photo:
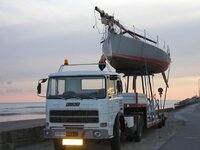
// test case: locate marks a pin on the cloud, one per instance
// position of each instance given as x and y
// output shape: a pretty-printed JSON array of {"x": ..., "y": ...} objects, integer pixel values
[
  {"x": 40, "y": 18},
  {"x": 25, "y": 86},
  {"x": 8, "y": 91},
  {"x": 33, "y": 11},
  {"x": 8, "y": 82},
  {"x": 36, "y": 58},
  {"x": 29, "y": 20},
  {"x": 35, "y": 36}
]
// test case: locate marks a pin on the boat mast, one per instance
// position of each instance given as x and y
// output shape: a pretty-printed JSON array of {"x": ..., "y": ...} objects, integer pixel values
[{"x": 109, "y": 20}]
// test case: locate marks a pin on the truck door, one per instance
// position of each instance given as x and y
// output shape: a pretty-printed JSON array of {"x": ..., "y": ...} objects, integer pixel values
[{"x": 114, "y": 102}]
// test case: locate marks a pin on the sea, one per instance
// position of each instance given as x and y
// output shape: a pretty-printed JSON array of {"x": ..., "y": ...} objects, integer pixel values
[
  {"x": 21, "y": 111},
  {"x": 35, "y": 110}
]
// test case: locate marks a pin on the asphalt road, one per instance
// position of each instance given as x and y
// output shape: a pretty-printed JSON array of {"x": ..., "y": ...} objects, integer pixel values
[
  {"x": 182, "y": 131},
  {"x": 188, "y": 136}
]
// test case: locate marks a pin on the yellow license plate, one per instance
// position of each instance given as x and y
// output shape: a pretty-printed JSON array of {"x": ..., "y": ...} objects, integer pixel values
[{"x": 72, "y": 142}]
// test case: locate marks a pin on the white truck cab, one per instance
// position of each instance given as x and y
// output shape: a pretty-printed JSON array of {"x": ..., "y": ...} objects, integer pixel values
[{"x": 90, "y": 105}]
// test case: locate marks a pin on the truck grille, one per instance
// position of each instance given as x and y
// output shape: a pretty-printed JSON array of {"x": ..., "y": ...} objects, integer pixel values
[{"x": 74, "y": 116}]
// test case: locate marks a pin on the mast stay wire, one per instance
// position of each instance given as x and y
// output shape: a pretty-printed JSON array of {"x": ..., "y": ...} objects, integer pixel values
[{"x": 96, "y": 20}]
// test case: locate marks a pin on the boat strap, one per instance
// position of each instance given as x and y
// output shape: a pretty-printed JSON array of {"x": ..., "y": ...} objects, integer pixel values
[{"x": 165, "y": 79}]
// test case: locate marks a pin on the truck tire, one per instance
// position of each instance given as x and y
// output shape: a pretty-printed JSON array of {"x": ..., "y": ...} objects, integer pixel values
[
  {"x": 58, "y": 144},
  {"x": 115, "y": 142},
  {"x": 162, "y": 123},
  {"x": 139, "y": 130},
  {"x": 163, "y": 120}
]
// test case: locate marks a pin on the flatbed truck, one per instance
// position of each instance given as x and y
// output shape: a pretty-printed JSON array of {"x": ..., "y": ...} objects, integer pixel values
[{"x": 92, "y": 105}]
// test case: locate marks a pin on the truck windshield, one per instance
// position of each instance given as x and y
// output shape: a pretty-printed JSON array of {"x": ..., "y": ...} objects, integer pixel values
[{"x": 76, "y": 87}]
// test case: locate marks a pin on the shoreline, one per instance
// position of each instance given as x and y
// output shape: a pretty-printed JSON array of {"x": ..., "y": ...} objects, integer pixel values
[{"x": 34, "y": 110}]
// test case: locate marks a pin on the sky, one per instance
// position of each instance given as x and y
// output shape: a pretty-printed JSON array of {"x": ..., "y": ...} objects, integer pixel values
[{"x": 37, "y": 35}]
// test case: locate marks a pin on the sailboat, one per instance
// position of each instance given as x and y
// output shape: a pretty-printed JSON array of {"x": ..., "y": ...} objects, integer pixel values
[{"x": 133, "y": 54}]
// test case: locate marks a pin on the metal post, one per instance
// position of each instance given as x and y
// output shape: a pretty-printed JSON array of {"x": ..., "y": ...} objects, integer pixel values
[
  {"x": 127, "y": 84},
  {"x": 134, "y": 30},
  {"x": 157, "y": 41},
  {"x": 168, "y": 50},
  {"x": 151, "y": 92},
  {"x": 134, "y": 83},
  {"x": 164, "y": 45},
  {"x": 142, "y": 84},
  {"x": 161, "y": 102},
  {"x": 145, "y": 83},
  {"x": 199, "y": 87}
]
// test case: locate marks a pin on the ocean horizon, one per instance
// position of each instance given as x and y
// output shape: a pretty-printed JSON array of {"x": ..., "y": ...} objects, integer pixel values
[
  {"x": 15, "y": 111},
  {"x": 21, "y": 111}
]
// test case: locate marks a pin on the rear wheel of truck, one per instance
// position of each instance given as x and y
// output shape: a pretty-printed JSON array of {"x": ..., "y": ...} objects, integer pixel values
[
  {"x": 162, "y": 123},
  {"x": 139, "y": 130},
  {"x": 115, "y": 142},
  {"x": 58, "y": 144},
  {"x": 163, "y": 120}
]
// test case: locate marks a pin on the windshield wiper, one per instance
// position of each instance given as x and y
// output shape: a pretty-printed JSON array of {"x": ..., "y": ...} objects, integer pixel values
[
  {"x": 87, "y": 96},
  {"x": 55, "y": 97},
  {"x": 68, "y": 95},
  {"x": 71, "y": 94}
]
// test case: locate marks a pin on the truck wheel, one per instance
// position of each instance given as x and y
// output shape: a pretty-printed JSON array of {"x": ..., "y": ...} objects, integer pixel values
[
  {"x": 139, "y": 130},
  {"x": 58, "y": 144},
  {"x": 162, "y": 123},
  {"x": 115, "y": 142}
]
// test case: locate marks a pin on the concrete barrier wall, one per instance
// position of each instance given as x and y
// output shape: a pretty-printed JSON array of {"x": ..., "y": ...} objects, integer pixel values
[
  {"x": 186, "y": 103},
  {"x": 9, "y": 140}
]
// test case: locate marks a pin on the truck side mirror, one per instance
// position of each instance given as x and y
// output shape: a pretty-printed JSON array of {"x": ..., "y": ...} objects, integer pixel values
[
  {"x": 43, "y": 80},
  {"x": 39, "y": 88}
]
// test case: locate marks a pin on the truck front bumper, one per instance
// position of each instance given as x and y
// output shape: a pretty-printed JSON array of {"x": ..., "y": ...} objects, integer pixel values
[{"x": 54, "y": 133}]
